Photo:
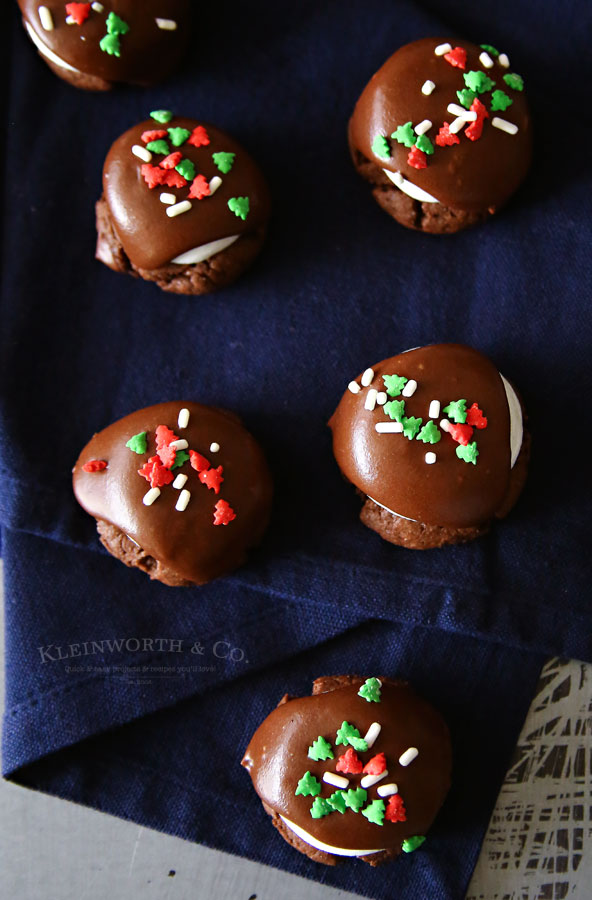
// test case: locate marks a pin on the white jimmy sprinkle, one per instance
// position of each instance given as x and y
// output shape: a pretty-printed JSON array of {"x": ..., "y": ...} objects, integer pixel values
[
  {"x": 444, "y": 424},
  {"x": 178, "y": 208},
  {"x": 410, "y": 754},
  {"x": 214, "y": 447},
  {"x": 457, "y": 125},
  {"x": 149, "y": 498},
  {"x": 371, "y": 399},
  {"x": 337, "y": 781},
  {"x": 184, "y": 498},
  {"x": 434, "y": 410},
  {"x": 461, "y": 112},
  {"x": 423, "y": 127},
  {"x": 215, "y": 183},
  {"x": 183, "y": 420},
  {"x": 167, "y": 24},
  {"x": 368, "y": 780},
  {"x": 430, "y": 458},
  {"x": 441, "y": 49},
  {"x": 70, "y": 20},
  {"x": 367, "y": 377},
  {"x": 372, "y": 734},
  {"x": 486, "y": 60},
  {"x": 504, "y": 125},
  {"x": 142, "y": 153},
  {"x": 179, "y": 481},
  {"x": 504, "y": 60},
  {"x": 398, "y": 179},
  {"x": 169, "y": 199},
  {"x": 181, "y": 444},
  {"x": 45, "y": 18},
  {"x": 98, "y": 7},
  {"x": 388, "y": 427},
  {"x": 354, "y": 387},
  {"x": 381, "y": 398},
  {"x": 386, "y": 790},
  {"x": 427, "y": 87},
  {"x": 410, "y": 388}
]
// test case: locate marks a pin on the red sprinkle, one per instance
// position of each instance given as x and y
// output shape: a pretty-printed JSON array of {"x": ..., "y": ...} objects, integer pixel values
[
  {"x": 167, "y": 455},
  {"x": 172, "y": 160},
  {"x": 376, "y": 765},
  {"x": 164, "y": 436},
  {"x": 395, "y": 809},
  {"x": 456, "y": 57},
  {"x": 79, "y": 11},
  {"x": 200, "y": 188},
  {"x": 174, "y": 179},
  {"x": 154, "y": 472},
  {"x": 350, "y": 763},
  {"x": 417, "y": 158},
  {"x": 460, "y": 433},
  {"x": 198, "y": 462},
  {"x": 199, "y": 137},
  {"x": 475, "y": 417},
  {"x": 212, "y": 478},
  {"x": 94, "y": 465},
  {"x": 223, "y": 513},
  {"x": 473, "y": 132},
  {"x": 445, "y": 138},
  {"x": 153, "y": 175},
  {"x": 148, "y": 136}
]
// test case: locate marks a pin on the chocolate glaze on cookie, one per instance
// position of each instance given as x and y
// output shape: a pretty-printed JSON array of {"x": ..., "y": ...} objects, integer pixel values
[
  {"x": 227, "y": 510},
  {"x": 407, "y": 729}
]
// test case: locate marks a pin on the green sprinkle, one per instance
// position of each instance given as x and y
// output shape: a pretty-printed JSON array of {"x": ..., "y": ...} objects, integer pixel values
[
  {"x": 394, "y": 384},
  {"x": 347, "y": 734},
  {"x": 110, "y": 44},
  {"x": 374, "y": 812},
  {"x": 181, "y": 457},
  {"x": 468, "y": 453},
  {"x": 370, "y": 690},
  {"x": 395, "y": 409},
  {"x": 478, "y": 81},
  {"x": 457, "y": 411},
  {"x": 411, "y": 426},
  {"x": 429, "y": 434},
  {"x": 424, "y": 144},
  {"x": 115, "y": 25},
  {"x": 161, "y": 115},
  {"x": 138, "y": 442},
  {"x": 405, "y": 134},
  {"x": 500, "y": 100},
  {"x": 380, "y": 147},
  {"x": 159, "y": 146},
  {"x": 224, "y": 161},
  {"x": 186, "y": 169},
  {"x": 412, "y": 843},
  {"x": 466, "y": 97},
  {"x": 320, "y": 749},
  {"x": 514, "y": 81},
  {"x": 320, "y": 808},
  {"x": 239, "y": 206},
  {"x": 337, "y": 801},
  {"x": 355, "y": 798},
  {"x": 489, "y": 49},
  {"x": 178, "y": 136},
  {"x": 308, "y": 786}
]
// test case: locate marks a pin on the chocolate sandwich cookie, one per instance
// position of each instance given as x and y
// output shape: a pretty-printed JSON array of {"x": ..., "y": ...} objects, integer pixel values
[
  {"x": 179, "y": 490},
  {"x": 183, "y": 205},
  {"x": 435, "y": 442},
  {"x": 442, "y": 133},
  {"x": 359, "y": 769},
  {"x": 96, "y": 45}
]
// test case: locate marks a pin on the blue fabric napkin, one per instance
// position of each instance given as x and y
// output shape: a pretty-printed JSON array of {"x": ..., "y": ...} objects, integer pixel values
[{"x": 140, "y": 699}]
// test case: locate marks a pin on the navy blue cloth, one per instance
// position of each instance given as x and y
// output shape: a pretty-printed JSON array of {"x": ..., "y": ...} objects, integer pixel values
[{"x": 140, "y": 699}]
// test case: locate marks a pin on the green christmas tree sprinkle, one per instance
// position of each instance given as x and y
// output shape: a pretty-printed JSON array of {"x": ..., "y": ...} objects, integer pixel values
[
  {"x": 355, "y": 798},
  {"x": 374, "y": 812},
  {"x": 394, "y": 384},
  {"x": 337, "y": 802},
  {"x": 457, "y": 411},
  {"x": 370, "y": 690},
  {"x": 514, "y": 81},
  {"x": 181, "y": 457},
  {"x": 115, "y": 25},
  {"x": 500, "y": 100},
  {"x": 110, "y": 44},
  {"x": 380, "y": 147},
  {"x": 468, "y": 453},
  {"x": 161, "y": 115},
  {"x": 478, "y": 81},
  {"x": 308, "y": 786},
  {"x": 424, "y": 144},
  {"x": 138, "y": 442},
  {"x": 320, "y": 808},
  {"x": 320, "y": 749},
  {"x": 405, "y": 134},
  {"x": 412, "y": 843},
  {"x": 186, "y": 169},
  {"x": 178, "y": 136},
  {"x": 411, "y": 426},
  {"x": 159, "y": 146},
  {"x": 429, "y": 434},
  {"x": 395, "y": 409},
  {"x": 466, "y": 97},
  {"x": 224, "y": 161},
  {"x": 347, "y": 734},
  {"x": 489, "y": 49},
  {"x": 239, "y": 206}
]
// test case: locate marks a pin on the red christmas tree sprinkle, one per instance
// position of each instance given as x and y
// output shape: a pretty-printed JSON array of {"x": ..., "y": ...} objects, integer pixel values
[
  {"x": 475, "y": 417},
  {"x": 460, "y": 433},
  {"x": 94, "y": 465},
  {"x": 153, "y": 175},
  {"x": 173, "y": 179},
  {"x": 376, "y": 765},
  {"x": 164, "y": 436},
  {"x": 200, "y": 188},
  {"x": 199, "y": 137},
  {"x": 148, "y": 136},
  {"x": 350, "y": 763},
  {"x": 198, "y": 462},
  {"x": 172, "y": 160},
  {"x": 154, "y": 472},
  {"x": 395, "y": 809},
  {"x": 417, "y": 158},
  {"x": 167, "y": 455},
  {"x": 445, "y": 138},
  {"x": 473, "y": 132},
  {"x": 212, "y": 478},
  {"x": 456, "y": 57},
  {"x": 79, "y": 11},
  {"x": 223, "y": 513}
]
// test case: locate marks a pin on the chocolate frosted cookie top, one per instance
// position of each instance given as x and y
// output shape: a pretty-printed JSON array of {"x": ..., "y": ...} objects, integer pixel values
[
  {"x": 116, "y": 40},
  {"x": 431, "y": 435},
  {"x": 450, "y": 118},
  {"x": 175, "y": 186},
  {"x": 357, "y": 768},
  {"x": 185, "y": 482}
]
